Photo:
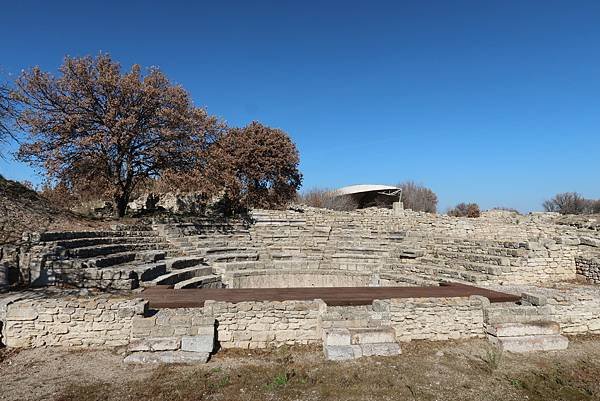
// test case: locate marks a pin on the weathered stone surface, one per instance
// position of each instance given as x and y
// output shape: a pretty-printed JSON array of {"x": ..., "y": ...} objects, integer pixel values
[
  {"x": 342, "y": 352},
  {"x": 372, "y": 336},
  {"x": 381, "y": 349},
  {"x": 167, "y": 357},
  {"x": 523, "y": 329},
  {"x": 202, "y": 344},
  {"x": 530, "y": 343},
  {"x": 337, "y": 337},
  {"x": 155, "y": 344}
]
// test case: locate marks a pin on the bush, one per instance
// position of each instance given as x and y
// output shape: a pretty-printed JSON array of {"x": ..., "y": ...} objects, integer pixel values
[
  {"x": 571, "y": 203},
  {"x": 418, "y": 197},
  {"x": 465, "y": 210},
  {"x": 315, "y": 197}
]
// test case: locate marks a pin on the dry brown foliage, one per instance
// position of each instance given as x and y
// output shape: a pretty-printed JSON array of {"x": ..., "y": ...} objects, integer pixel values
[
  {"x": 254, "y": 166},
  {"x": 465, "y": 210},
  {"x": 94, "y": 125},
  {"x": 571, "y": 203}
]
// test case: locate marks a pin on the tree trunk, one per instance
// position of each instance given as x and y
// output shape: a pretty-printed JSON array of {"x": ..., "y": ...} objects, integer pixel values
[{"x": 121, "y": 202}]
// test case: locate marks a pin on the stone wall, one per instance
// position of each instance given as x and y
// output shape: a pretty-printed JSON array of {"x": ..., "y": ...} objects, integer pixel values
[
  {"x": 73, "y": 321},
  {"x": 433, "y": 318},
  {"x": 588, "y": 267},
  {"x": 240, "y": 325}
]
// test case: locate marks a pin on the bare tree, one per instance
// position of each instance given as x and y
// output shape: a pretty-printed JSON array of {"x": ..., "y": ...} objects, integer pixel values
[
  {"x": 418, "y": 197},
  {"x": 94, "y": 124},
  {"x": 567, "y": 203}
]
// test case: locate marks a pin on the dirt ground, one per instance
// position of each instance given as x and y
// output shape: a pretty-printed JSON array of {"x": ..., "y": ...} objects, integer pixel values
[{"x": 466, "y": 370}]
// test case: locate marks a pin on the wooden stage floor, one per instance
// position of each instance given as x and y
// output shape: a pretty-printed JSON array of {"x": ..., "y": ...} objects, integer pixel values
[{"x": 166, "y": 297}]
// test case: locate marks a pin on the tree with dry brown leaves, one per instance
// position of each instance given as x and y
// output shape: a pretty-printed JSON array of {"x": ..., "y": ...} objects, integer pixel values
[
  {"x": 94, "y": 124},
  {"x": 256, "y": 166},
  {"x": 7, "y": 112}
]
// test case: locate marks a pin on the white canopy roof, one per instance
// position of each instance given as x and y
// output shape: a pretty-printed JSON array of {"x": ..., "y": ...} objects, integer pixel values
[{"x": 356, "y": 189}]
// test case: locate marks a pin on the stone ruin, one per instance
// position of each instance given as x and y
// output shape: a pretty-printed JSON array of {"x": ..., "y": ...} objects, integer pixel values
[{"x": 91, "y": 280}]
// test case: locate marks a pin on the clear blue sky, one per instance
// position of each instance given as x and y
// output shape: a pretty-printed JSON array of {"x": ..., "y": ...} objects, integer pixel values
[{"x": 495, "y": 102}]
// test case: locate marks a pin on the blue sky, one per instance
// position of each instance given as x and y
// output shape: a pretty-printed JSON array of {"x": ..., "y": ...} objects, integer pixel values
[{"x": 495, "y": 102}]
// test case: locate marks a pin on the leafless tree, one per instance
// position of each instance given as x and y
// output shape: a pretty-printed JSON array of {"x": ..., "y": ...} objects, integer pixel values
[
  {"x": 418, "y": 197},
  {"x": 571, "y": 203}
]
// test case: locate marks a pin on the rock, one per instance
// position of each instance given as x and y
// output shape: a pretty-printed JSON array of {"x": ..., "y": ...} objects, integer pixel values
[
  {"x": 381, "y": 349},
  {"x": 167, "y": 357},
  {"x": 200, "y": 343},
  {"x": 523, "y": 329},
  {"x": 155, "y": 344},
  {"x": 373, "y": 336},
  {"x": 337, "y": 337},
  {"x": 530, "y": 343},
  {"x": 342, "y": 352}
]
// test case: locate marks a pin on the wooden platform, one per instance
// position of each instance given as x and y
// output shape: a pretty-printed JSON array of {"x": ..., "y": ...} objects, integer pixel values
[{"x": 166, "y": 297}]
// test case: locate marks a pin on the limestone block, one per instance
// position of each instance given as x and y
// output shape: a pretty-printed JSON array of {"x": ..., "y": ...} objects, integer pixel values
[
  {"x": 373, "y": 336},
  {"x": 337, "y": 337},
  {"x": 203, "y": 343},
  {"x": 167, "y": 357},
  {"x": 530, "y": 343},
  {"x": 523, "y": 329},
  {"x": 17, "y": 312},
  {"x": 342, "y": 352},
  {"x": 381, "y": 349},
  {"x": 155, "y": 344}
]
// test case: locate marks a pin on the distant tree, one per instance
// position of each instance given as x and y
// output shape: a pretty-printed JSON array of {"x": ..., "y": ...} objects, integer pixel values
[
  {"x": 465, "y": 210},
  {"x": 256, "y": 166},
  {"x": 95, "y": 124},
  {"x": 418, "y": 197},
  {"x": 316, "y": 197},
  {"x": 567, "y": 203}
]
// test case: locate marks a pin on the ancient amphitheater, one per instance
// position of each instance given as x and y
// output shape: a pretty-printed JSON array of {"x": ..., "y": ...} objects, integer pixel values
[{"x": 359, "y": 283}]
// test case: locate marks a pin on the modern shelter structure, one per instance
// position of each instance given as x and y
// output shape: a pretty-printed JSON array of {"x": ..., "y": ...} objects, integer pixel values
[{"x": 367, "y": 195}]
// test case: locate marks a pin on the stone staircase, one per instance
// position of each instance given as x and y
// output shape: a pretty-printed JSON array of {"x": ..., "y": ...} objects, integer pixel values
[
  {"x": 354, "y": 332},
  {"x": 120, "y": 259},
  {"x": 522, "y": 328}
]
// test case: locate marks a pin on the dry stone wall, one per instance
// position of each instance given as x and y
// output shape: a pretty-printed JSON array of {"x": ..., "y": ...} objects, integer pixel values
[
  {"x": 70, "y": 322},
  {"x": 433, "y": 318}
]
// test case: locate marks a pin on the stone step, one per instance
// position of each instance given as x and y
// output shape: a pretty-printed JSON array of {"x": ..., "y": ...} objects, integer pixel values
[
  {"x": 232, "y": 257},
  {"x": 102, "y": 250},
  {"x": 448, "y": 273},
  {"x": 496, "y": 314},
  {"x": 209, "y": 281},
  {"x": 474, "y": 257},
  {"x": 86, "y": 242},
  {"x": 124, "y": 257},
  {"x": 520, "y": 344},
  {"x": 182, "y": 262},
  {"x": 408, "y": 278},
  {"x": 181, "y": 275},
  {"x": 233, "y": 266},
  {"x": 482, "y": 250},
  {"x": 483, "y": 268},
  {"x": 541, "y": 327}
]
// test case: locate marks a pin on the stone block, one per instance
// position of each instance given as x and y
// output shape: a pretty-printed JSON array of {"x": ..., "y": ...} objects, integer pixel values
[
  {"x": 530, "y": 343},
  {"x": 16, "y": 312},
  {"x": 167, "y": 357},
  {"x": 382, "y": 349},
  {"x": 155, "y": 344},
  {"x": 203, "y": 343},
  {"x": 523, "y": 329},
  {"x": 372, "y": 336},
  {"x": 342, "y": 352},
  {"x": 337, "y": 337}
]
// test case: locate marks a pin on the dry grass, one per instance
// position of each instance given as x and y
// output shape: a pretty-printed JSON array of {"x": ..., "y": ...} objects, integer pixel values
[{"x": 425, "y": 371}]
